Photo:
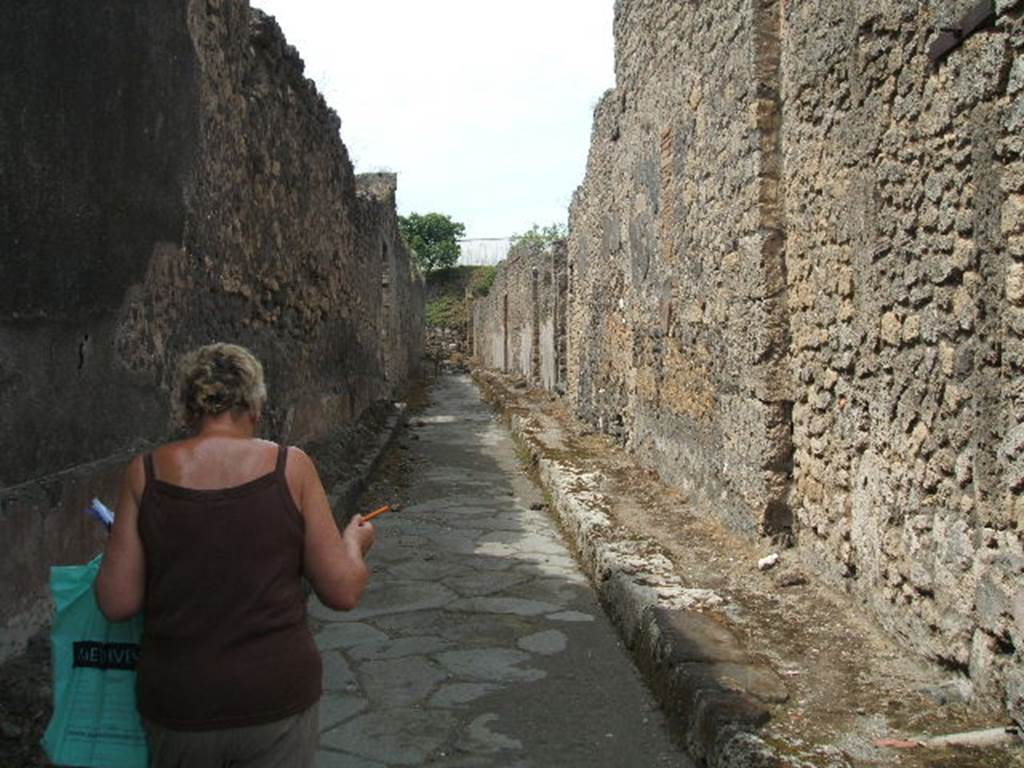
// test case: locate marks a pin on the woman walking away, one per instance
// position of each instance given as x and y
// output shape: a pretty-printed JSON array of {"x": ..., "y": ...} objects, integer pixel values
[{"x": 213, "y": 537}]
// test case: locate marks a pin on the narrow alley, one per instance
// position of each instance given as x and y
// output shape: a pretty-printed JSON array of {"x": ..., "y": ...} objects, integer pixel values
[
  {"x": 708, "y": 452},
  {"x": 479, "y": 642}
]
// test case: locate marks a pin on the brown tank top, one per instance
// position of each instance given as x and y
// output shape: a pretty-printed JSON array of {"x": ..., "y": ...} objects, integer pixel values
[{"x": 225, "y": 641}]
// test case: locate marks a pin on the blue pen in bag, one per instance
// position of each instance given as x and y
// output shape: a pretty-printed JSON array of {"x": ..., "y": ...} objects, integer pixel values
[{"x": 101, "y": 512}]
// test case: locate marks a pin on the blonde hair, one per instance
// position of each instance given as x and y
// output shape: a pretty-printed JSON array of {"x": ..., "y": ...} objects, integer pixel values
[{"x": 214, "y": 379}]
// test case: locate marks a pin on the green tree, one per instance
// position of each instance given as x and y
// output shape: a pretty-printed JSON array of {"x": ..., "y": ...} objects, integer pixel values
[
  {"x": 541, "y": 238},
  {"x": 433, "y": 239}
]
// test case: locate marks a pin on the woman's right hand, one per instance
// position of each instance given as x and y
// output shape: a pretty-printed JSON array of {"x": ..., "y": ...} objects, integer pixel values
[{"x": 363, "y": 533}]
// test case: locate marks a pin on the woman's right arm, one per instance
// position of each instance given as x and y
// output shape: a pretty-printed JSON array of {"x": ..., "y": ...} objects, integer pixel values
[{"x": 334, "y": 562}]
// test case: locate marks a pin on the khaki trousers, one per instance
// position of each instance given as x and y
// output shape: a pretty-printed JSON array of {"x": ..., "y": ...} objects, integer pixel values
[{"x": 288, "y": 743}]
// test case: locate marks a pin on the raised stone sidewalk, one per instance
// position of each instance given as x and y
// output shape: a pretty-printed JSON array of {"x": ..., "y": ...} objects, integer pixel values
[{"x": 753, "y": 668}]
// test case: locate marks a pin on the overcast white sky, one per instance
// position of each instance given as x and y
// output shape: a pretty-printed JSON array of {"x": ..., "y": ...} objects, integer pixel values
[{"x": 482, "y": 107}]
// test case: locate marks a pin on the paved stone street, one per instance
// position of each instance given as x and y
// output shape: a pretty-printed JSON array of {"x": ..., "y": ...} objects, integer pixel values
[{"x": 478, "y": 643}]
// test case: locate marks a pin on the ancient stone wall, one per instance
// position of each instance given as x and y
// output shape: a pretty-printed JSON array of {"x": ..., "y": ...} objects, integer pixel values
[
  {"x": 677, "y": 337},
  {"x": 488, "y": 325},
  {"x": 401, "y": 310},
  {"x": 449, "y": 293},
  {"x": 170, "y": 178},
  {"x": 519, "y": 327},
  {"x": 552, "y": 285},
  {"x": 903, "y": 199},
  {"x": 796, "y": 289}
]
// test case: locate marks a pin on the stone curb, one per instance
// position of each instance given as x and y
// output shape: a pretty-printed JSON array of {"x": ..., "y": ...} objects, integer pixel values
[
  {"x": 714, "y": 694},
  {"x": 344, "y": 495}
]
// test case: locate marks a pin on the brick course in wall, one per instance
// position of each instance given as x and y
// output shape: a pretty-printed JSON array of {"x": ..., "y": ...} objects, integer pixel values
[
  {"x": 796, "y": 289},
  {"x": 171, "y": 178}
]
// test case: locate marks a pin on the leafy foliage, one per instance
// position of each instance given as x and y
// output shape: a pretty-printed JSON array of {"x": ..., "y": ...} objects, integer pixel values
[
  {"x": 446, "y": 312},
  {"x": 432, "y": 238},
  {"x": 541, "y": 238},
  {"x": 482, "y": 280}
]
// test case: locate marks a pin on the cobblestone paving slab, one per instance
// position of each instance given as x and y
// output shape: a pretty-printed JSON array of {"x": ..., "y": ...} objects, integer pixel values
[{"x": 478, "y": 643}]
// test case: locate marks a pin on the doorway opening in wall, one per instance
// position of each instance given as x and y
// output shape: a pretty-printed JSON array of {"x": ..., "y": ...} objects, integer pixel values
[
  {"x": 385, "y": 291},
  {"x": 504, "y": 332},
  {"x": 385, "y": 307},
  {"x": 534, "y": 371}
]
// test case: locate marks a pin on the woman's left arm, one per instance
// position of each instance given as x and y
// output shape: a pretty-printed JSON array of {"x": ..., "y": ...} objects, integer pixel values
[{"x": 121, "y": 583}]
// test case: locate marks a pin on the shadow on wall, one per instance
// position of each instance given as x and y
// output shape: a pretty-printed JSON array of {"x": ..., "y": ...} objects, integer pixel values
[{"x": 184, "y": 184}]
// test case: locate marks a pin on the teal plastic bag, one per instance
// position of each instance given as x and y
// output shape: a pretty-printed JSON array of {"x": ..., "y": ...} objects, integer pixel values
[{"x": 95, "y": 723}]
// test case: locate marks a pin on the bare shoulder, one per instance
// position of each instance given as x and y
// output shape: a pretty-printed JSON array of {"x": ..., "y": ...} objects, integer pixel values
[
  {"x": 299, "y": 472},
  {"x": 172, "y": 449},
  {"x": 136, "y": 469},
  {"x": 299, "y": 459},
  {"x": 265, "y": 448},
  {"x": 135, "y": 476},
  {"x": 299, "y": 468}
]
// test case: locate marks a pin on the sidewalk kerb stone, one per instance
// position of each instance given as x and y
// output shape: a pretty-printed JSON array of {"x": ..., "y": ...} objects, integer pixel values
[{"x": 648, "y": 603}]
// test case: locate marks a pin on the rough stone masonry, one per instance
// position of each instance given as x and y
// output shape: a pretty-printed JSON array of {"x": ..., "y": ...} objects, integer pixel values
[
  {"x": 519, "y": 326},
  {"x": 168, "y": 177},
  {"x": 796, "y": 289}
]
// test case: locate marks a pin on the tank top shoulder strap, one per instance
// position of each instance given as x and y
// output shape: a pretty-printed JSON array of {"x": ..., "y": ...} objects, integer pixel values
[
  {"x": 282, "y": 458},
  {"x": 147, "y": 462}
]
